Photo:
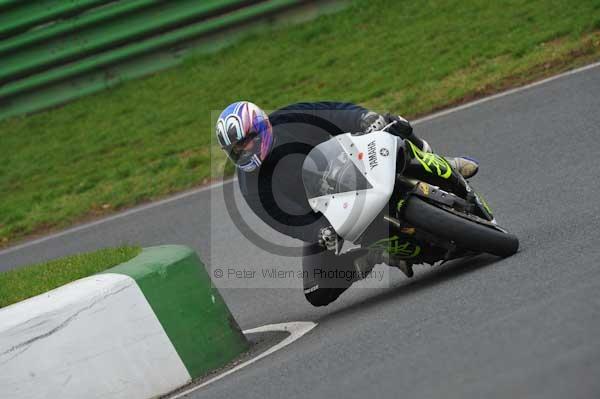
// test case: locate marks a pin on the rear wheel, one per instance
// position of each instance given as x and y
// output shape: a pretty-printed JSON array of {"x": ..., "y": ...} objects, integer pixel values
[{"x": 465, "y": 233}]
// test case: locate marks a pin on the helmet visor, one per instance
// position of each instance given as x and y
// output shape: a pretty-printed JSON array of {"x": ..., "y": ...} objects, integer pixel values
[{"x": 242, "y": 151}]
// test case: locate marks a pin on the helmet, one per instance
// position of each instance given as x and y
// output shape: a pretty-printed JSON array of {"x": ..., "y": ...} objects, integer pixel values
[{"x": 245, "y": 134}]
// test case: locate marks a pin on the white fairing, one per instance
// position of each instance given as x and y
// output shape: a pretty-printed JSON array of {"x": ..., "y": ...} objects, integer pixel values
[{"x": 350, "y": 212}]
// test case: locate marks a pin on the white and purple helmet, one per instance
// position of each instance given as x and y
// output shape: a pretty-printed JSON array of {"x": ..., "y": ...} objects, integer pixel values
[{"x": 245, "y": 134}]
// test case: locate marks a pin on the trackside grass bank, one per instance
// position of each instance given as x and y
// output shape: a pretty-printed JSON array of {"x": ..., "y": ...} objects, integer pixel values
[
  {"x": 150, "y": 137},
  {"x": 28, "y": 281}
]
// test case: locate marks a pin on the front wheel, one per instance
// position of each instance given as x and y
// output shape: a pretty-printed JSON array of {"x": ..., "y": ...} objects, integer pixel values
[{"x": 465, "y": 233}]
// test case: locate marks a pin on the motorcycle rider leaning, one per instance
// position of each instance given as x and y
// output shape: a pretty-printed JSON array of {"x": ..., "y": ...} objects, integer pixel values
[{"x": 269, "y": 151}]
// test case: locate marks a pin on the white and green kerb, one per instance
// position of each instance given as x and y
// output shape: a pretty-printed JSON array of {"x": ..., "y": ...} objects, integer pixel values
[
  {"x": 189, "y": 308},
  {"x": 139, "y": 330}
]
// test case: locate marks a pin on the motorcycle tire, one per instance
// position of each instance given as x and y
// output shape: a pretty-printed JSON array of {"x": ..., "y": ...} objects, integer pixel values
[{"x": 465, "y": 233}]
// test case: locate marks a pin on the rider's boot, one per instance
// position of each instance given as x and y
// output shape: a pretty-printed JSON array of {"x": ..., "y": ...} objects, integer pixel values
[
  {"x": 466, "y": 166},
  {"x": 394, "y": 261},
  {"x": 365, "y": 263}
]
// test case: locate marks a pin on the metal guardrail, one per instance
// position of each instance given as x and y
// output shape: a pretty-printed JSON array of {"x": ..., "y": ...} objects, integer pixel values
[{"x": 46, "y": 43}]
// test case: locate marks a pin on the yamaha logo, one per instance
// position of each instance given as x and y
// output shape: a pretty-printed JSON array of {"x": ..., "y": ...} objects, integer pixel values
[
  {"x": 384, "y": 152},
  {"x": 372, "y": 154}
]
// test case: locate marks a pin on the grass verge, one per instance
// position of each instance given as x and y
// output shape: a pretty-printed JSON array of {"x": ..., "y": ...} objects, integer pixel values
[
  {"x": 28, "y": 281},
  {"x": 151, "y": 137}
]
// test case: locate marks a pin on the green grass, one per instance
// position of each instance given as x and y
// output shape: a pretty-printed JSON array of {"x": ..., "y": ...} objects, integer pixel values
[
  {"x": 28, "y": 281},
  {"x": 150, "y": 137}
]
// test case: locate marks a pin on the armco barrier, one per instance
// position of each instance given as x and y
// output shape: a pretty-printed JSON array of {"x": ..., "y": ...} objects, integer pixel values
[
  {"x": 139, "y": 330},
  {"x": 48, "y": 43}
]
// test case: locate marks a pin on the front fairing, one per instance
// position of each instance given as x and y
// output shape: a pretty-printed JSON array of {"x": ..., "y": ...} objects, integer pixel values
[{"x": 350, "y": 179}]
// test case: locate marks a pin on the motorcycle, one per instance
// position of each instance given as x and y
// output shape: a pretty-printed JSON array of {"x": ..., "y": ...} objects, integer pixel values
[{"x": 382, "y": 193}]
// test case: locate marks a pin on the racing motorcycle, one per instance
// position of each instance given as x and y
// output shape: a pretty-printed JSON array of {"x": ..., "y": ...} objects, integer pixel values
[{"x": 382, "y": 193}]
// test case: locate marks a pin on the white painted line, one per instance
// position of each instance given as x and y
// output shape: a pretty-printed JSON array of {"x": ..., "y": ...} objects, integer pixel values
[
  {"x": 119, "y": 215},
  {"x": 215, "y": 185},
  {"x": 296, "y": 329},
  {"x": 504, "y": 94}
]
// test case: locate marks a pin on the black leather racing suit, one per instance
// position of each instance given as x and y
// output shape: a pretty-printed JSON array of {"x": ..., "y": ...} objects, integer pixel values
[{"x": 275, "y": 191}]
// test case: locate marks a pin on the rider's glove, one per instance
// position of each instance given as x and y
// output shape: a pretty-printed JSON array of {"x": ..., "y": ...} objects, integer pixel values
[
  {"x": 401, "y": 128},
  {"x": 328, "y": 238},
  {"x": 371, "y": 122}
]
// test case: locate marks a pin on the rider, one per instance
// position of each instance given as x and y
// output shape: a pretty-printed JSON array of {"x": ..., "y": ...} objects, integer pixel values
[{"x": 269, "y": 150}]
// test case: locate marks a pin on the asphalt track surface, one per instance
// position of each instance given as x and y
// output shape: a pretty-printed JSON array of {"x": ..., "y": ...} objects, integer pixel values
[{"x": 525, "y": 326}]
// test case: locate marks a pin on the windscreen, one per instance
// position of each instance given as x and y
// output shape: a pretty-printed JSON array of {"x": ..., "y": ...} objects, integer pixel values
[{"x": 328, "y": 169}]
